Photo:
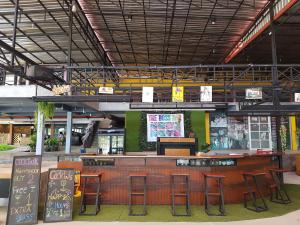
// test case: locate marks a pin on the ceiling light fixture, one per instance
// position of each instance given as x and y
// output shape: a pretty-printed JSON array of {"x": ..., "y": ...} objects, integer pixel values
[
  {"x": 213, "y": 20},
  {"x": 74, "y": 9},
  {"x": 129, "y": 18}
]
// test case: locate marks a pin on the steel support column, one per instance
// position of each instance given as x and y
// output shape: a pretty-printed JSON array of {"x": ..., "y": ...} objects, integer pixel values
[
  {"x": 69, "y": 132},
  {"x": 69, "y": 72},
  {"x": 275, "y": 81},
  {"x": 40, "y": 134},
  {"x": 14, "y": 37}
]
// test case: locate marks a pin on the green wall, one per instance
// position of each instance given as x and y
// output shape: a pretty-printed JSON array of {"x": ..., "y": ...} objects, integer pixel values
[
  {"x": 132, "y": 126},
  {"x": 198, "y": 126}
]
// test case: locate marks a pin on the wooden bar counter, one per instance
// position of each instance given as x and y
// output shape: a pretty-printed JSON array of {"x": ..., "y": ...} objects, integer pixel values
[{"x": 115, "y": 170}]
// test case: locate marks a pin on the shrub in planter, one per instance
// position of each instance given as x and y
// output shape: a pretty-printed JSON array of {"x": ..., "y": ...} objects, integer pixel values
[
  {"x": 32, "y": 143},
  {"x": 51, "y": 144}
]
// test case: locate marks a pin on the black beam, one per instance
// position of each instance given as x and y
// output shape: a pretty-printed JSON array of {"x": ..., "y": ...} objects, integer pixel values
[
  {"x": 20, "y": 55},
  {"x": 80, "y": 98}
]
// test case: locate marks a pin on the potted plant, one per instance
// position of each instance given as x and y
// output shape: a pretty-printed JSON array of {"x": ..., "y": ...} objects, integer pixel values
[
  {"x": 51, "y": 144},
  {"x": 204, "y": 149}
]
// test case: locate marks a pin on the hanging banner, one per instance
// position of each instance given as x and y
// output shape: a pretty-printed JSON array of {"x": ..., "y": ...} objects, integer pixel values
[
  {"x": 106, "y": 90},
  {"x": 253, "y": 93},
  {"x": 147, "y": 94},
  {"x": 164, "y": 125},
  {"x": 177, "y": 94},
  {"x": 297, "y": 97},
  {"x": 206, "y": 93}
]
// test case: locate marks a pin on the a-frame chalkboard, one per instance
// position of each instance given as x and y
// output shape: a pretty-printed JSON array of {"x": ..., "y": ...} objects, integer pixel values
[
  {"x": 24, "y": 191},
  {"x": 59, "y": 197}
]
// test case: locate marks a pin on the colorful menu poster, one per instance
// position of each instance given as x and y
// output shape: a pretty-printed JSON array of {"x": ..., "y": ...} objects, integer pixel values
[
  {"x": 177, "y": 94},
  {"x": 164, "y": 125},
  {"x": 147, "y": 94}
]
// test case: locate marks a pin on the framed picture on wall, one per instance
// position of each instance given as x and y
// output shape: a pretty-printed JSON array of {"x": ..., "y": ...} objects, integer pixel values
[{"x": 253, "y": 93}]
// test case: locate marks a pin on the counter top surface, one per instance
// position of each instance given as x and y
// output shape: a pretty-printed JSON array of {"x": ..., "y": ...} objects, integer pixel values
[{"x": 204, "y": 156}]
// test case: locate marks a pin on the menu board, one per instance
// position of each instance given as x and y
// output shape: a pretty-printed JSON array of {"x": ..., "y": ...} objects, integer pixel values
[
  {"x": 59, "y": 197},
  {"x": 24, "y": 190},
  {"x": 164, "y": 125}
]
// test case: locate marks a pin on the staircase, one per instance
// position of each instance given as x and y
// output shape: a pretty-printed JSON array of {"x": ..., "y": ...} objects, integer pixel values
[{"x": 88, "y": 139}]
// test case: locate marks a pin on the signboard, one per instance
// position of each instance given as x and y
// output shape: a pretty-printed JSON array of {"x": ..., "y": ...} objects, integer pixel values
[
  {"x": 106, "y": 90},
  {"x": 147, "y": 94},
  {"x": 59, "y": 197},
  {"x": 61, "y": 89},
  {"x": 24, "y": 190},
  {"x": 253, "y": 93},
  {"x": 164, "y": 125},
  {"x": 177, "y": 94},
  {"x": 206, "y": 93},
  {"x": 206, "y": 162},
  {"x": 297, "y": 97}
]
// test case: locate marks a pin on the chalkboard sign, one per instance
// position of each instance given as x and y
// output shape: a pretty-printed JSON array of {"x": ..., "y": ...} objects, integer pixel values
[
  {"x": 59, "y": 197},
  {"x": 24, "y": 190}
]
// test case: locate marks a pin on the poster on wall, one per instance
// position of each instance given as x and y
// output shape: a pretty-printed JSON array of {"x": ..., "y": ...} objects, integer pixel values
[
  {"x": 253, "y": 93},
  {"x": 164, "y": 125},
  {"x": 238, "y": 135},
  {"x": 106, "y": 90},
  {"x": 147, "y": 94},
  {"x": 297, "y": 97},
  {"x": 177, "y": 94},
  {"x": 218, "y": 131},
  {"x": 206, "y": 93}
]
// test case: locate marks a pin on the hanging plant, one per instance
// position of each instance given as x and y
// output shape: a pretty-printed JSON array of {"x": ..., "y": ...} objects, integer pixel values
[{"x": 47, "y": 108}]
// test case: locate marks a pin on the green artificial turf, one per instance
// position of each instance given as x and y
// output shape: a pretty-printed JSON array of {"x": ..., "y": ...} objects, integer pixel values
[
  {"x": 4, "y": 147},
  {"x": 133, "y": 124},
  {"x": 198, "y": 126},
  {"x": 234, "y": 212}
]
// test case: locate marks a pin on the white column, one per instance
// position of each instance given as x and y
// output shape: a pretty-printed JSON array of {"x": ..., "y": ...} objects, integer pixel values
[
  {"x": 69, "y": 132},
  {"x": 40, "y": 134}
]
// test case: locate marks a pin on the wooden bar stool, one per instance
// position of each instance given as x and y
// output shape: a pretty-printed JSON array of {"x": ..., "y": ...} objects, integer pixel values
[
  {"x": 278, "y": 192},
  {"x": 184, "y": 193},
  {"x": 254, "y": 191},
  {"x": 219, "y": 193},
  {"x": 90, "y": 190},
  {"x": 135, "y": 191}
]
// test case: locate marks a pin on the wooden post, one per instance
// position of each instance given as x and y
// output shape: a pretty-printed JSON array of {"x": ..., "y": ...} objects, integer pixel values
[
  {"x": 52, "y": 130},
  {"x": 11, "y": 134}
]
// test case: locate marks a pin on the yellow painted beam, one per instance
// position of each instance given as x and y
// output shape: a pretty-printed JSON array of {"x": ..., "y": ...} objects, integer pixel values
[
  {"x": 169, "y": 83},
  {"x": 207, "y": 128},
  {"x": 294, "y": 144}
]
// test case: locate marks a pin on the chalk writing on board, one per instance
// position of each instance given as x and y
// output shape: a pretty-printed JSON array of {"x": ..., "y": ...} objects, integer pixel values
[
  {"x": 24, "y": 190},
  {"x": 59, "y": 198}
]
